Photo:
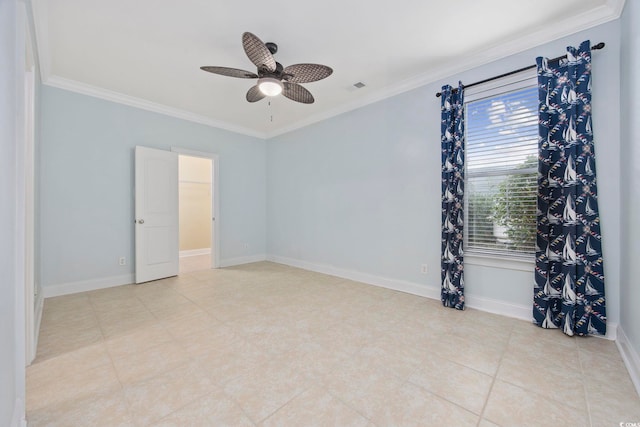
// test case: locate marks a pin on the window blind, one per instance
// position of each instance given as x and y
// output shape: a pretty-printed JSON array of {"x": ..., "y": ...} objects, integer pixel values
[{"x": 501, "y": 173}]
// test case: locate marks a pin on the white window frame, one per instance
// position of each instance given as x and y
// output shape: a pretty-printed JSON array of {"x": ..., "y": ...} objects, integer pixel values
[{"x": 522, "y": 80}]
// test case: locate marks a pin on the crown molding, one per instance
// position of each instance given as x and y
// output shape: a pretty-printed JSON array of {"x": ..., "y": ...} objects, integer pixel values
[
  {"x": 609, "y": 11},
  {"x": 143, "y": 104},
  {"x": 597, "y": 16},
  {"x": 616, "y": 6},
  {"x": 43, "y": 55}
]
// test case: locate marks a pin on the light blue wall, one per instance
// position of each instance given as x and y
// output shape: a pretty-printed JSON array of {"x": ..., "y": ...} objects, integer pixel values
[
  {"x": 630, "y": 171},
  {"x": 12, "y": 304},
  {"x": 361, "y": 191},
  {"x": 86, "y": 184},
  {"x": 8, "y": 200}
]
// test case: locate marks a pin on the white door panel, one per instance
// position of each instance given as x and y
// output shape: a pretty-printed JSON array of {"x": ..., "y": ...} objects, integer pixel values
[{"x": 156, "y": 209}]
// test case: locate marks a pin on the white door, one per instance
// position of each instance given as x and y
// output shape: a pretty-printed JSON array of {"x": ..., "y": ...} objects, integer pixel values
[{"x": 156, "y": 214}]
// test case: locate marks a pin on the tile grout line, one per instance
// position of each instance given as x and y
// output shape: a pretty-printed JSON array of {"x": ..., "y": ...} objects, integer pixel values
[
  {"x": 348, "y": 405},
  {"x": 279, "y": 408},
  {"x": 495, "y": 377},
  {"x": 113, "y": 366},
  {"x": 156, "y": 322},
  {"x": 417, "y": 368},
  {"x": 584, "y": 386},
  {"x": 190, "y": 359},
  {"x": 446, "y": 399}
]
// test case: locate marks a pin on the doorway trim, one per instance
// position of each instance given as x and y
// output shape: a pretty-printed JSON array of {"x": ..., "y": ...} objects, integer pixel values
[
  {"x": 33, "y": 300},
  {"x": 215, "y": 200}
]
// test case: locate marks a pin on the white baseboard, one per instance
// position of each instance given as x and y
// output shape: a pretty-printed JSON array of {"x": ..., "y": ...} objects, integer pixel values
[
  {"x": 195, "y": 252},
  {"x": 502, "y": 308},
  {"x": 230, "y": 262},
  {"x": 86, "y": 285},
  {"x": 38, "y": 320},
  {"x": 370, "y": 279},
  {"x": 612, "y": 332},
  {"x": 125, "y": 279},
  {"x": 428, "y": 291},
  {"x": 630, "y": 357},
  {"x": 19, "y": 416}
]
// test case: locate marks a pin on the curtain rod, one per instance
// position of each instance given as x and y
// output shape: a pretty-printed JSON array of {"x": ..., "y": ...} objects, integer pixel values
[{"x": 595, "y": 47}]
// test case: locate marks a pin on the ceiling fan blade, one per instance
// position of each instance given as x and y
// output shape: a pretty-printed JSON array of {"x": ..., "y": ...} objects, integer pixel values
[
  {"x": 305, "y": 73},
  {"x": 297, "y": 93},
  {"x": 258, "y": 52},
  {"x": 255, "y": 94},
  {"x": 231, "y": 72}
]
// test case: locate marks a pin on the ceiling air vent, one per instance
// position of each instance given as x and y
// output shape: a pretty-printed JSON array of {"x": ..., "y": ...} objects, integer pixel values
[{"x": 359, "y": 85}]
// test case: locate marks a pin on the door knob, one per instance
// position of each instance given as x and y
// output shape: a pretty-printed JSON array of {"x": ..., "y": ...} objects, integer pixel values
[{"x": 141, "y": 221}]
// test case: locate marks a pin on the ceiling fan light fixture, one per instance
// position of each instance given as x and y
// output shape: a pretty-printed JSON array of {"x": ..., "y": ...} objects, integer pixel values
[{"x": 270, "y": 86}]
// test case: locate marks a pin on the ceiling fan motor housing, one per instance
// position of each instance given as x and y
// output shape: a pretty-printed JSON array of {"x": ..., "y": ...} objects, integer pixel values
[
  {"x": 273, "y": 48},
  {"x": 277, "y": 74}
]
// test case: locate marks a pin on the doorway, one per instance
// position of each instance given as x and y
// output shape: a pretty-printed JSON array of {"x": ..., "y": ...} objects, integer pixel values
[{"x": 196, "y": 195}]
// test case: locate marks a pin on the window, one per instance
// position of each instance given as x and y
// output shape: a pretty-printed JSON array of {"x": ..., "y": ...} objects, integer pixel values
[{"x": 502, "y": 170}]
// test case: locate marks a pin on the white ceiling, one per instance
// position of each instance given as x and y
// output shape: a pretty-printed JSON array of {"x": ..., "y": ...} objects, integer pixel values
[{"x": 147, "y": 53}]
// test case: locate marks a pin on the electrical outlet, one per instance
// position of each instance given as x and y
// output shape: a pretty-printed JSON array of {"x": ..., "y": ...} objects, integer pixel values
[
  {"x": 122, "y": 261},
  {"x": 424, "y": 269}
]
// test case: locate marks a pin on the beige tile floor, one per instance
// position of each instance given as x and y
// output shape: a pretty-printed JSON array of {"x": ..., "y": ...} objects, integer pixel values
[
  {"x": 269, "y": 345},
  {"x": 194, "y": 263}
]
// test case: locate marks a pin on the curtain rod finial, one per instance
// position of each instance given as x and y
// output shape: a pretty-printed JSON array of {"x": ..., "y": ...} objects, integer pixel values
[{"x": 454, "y": 90}]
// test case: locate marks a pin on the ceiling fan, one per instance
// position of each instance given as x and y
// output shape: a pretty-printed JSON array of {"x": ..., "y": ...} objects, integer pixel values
[{"x": 273, "y": 79}]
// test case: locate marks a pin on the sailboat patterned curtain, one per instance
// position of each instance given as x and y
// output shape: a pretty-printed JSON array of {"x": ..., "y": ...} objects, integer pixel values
[
  {"x": 569, "y": 279},
  {"x": 452, "y": 139}
]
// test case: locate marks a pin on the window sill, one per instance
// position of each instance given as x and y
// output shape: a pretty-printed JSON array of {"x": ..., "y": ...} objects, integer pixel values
[{"x": 506, "y": 263}]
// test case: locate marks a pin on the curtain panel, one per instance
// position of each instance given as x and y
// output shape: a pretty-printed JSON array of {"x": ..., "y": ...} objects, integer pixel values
[
  {"x": 452, "y": 140},
  {"x": 569, "y": 276}
]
